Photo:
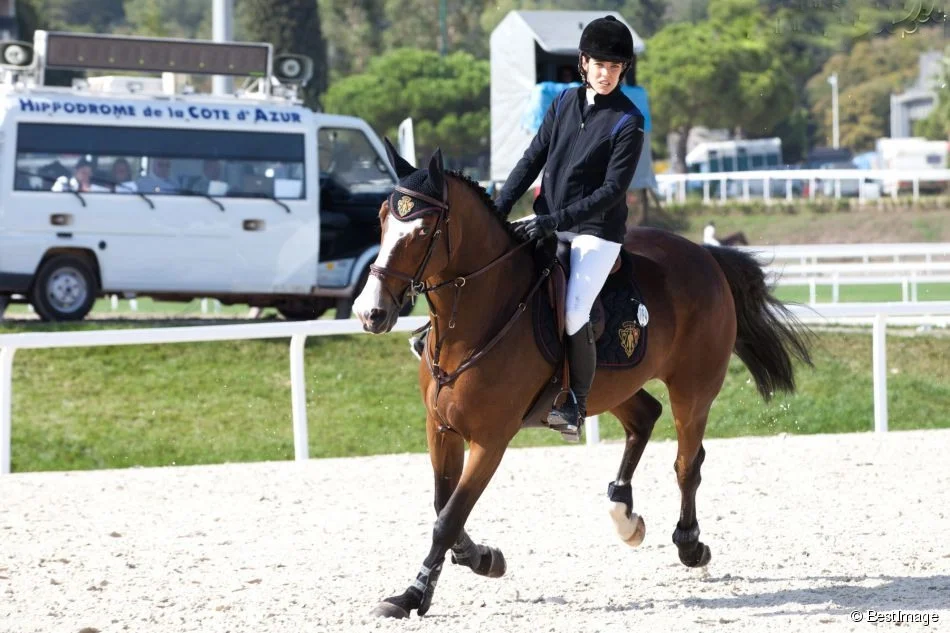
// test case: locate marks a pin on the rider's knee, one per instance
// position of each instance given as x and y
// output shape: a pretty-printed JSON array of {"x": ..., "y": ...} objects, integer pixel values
[{"x": 574, "y": 320}]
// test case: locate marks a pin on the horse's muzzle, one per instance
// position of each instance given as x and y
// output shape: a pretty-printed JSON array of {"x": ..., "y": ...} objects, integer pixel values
[{"x": 378, "y": 320}]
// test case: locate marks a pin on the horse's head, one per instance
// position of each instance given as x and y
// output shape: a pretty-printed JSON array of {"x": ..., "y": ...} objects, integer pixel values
[{"x": 414, "y": 242}]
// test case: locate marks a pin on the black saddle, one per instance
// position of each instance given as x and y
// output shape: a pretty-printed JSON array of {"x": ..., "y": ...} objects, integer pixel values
[{"x": 619, "y": 316}]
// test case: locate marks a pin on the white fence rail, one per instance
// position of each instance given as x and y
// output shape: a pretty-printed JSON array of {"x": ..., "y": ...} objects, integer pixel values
[
  {"x": 836, "y": 265},
  {"x": 778, "y": 184},
  {"x": 299, "y": 331}
]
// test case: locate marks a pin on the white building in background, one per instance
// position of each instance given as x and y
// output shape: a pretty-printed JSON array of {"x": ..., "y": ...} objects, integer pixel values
[{"x": 919, "y": 100}]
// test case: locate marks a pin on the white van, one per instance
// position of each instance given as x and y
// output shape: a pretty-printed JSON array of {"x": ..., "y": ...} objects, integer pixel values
[
  {"x": 914, "y": 154},
  {"x": 129, "y": 186}
]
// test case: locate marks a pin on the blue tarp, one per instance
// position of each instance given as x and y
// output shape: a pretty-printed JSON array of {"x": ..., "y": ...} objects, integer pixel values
[{"x": 544, "y": 93}]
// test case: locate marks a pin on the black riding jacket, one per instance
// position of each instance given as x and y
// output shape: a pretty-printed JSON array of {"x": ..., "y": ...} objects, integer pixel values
[{"x": 589, "y": 156}]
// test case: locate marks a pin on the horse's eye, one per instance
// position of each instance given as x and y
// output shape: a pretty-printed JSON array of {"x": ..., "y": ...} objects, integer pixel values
[{"x": 423, "y": 231}]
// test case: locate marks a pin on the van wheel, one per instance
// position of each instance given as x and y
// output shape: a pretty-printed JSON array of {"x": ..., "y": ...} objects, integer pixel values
[{"x": 64, "y": 289}]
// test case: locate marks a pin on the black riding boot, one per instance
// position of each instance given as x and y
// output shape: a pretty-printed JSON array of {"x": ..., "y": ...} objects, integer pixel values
[{"x": 582, "y": 356}]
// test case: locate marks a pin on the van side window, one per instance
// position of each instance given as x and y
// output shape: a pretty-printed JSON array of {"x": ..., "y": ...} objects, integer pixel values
[
  {"x": 349, "y": 160},
  {"x": 159, "y": 161}
]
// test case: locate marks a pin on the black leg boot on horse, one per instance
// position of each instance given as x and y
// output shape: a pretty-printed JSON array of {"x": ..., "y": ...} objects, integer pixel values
[{"x": 568, "y": 417}]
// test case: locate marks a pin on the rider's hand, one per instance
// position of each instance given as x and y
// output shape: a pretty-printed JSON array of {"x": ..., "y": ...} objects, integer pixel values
[{"x": 540, "y": 226}]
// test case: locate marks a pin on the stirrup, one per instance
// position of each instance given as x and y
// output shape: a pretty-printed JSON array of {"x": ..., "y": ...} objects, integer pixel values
[{"x": 558, "y": 420}]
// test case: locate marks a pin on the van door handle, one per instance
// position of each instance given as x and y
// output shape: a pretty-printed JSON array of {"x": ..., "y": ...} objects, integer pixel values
[
  {"x": 253, "y": 225},
  {"x": 61, "y": 219}
]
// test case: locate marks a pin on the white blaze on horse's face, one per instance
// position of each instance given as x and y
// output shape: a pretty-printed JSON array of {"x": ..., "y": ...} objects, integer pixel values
[{"x": 373, "y": 295}]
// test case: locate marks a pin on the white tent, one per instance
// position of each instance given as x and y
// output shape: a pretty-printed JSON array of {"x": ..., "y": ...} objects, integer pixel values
[{"x": 529, "y": 51}]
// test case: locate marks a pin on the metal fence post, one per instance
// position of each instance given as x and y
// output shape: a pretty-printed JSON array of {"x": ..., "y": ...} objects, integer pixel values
[
  {"x": 593, "y": 429},
  {"x": 6, "y": 396},
  {"x": 879, "y": 368},
  {"x": 298, "y": 397}
]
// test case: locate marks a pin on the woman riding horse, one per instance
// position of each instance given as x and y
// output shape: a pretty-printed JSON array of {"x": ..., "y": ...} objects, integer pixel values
[
  {"x": 483, "y": 374},
  {"x": 590, "y": 144}
]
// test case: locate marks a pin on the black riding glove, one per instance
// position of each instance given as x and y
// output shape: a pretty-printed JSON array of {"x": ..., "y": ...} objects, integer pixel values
[{"x": 538, "y": 227}]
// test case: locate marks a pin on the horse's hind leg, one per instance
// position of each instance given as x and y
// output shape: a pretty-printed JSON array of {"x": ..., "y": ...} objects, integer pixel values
[
  {"x": 690, "y": 414},
  {"x": 638, "y": 415}
]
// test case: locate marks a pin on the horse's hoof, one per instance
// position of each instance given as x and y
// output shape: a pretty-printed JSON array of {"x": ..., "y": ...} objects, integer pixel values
[
  {"x": 389, "y": 610},
  {"x": 498, "y": 565},
  {"x": 699, "y": 557},
  {"x": 631, "y": 529}
]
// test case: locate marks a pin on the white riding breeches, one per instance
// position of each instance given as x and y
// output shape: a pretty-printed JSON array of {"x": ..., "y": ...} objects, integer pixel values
[{"x": 591, "y": 261}]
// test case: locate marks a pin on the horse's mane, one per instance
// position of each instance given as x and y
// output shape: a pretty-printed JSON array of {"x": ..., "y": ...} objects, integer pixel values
[{"x": 486, "y": 199}]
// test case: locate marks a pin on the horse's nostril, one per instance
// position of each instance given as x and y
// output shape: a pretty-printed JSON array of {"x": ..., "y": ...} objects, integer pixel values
[{"x": 377, "y": 315}]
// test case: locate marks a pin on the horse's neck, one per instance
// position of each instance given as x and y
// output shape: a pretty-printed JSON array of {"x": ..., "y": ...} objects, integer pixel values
[{"x": 490, "y": 296}]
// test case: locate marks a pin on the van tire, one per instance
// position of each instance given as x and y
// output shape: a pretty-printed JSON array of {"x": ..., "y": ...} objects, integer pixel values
[{"x": 64, "y": 288}]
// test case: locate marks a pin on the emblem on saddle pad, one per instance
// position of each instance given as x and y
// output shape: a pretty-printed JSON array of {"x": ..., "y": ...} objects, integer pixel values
[
  {"x": 629, "y": 337},
  {"x": 404, "y": 206}
]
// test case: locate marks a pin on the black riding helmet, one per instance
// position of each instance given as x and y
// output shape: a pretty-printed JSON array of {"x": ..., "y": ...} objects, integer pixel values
[{"x": 607, "y": 39}]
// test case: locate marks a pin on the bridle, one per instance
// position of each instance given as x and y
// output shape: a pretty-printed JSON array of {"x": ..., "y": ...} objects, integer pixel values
[{"x": 417, "y": 285}]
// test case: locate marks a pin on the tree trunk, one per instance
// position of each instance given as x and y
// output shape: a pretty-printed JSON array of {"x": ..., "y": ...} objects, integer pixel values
[{"x": 680, "y": 164}]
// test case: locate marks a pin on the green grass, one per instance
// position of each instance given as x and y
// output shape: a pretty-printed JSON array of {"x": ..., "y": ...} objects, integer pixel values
[
  {"x": 864, "y": 293},
  {"x": 225, "y": 402}
]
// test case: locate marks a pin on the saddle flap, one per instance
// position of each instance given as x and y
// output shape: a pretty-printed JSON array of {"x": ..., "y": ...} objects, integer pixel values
[{"x": 557, "y": 294}]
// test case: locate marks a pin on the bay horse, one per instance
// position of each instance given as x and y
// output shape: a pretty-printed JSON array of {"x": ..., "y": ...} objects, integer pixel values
[{"x": 482, "y": 370}]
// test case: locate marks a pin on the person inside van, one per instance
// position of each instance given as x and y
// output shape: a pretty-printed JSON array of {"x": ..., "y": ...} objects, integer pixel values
[
  {"x": 210, "y": 181},
  {"x": 122, "y": 177},
  {"x": 160, "y": 180},
  {"x": 81, "y": 179}
]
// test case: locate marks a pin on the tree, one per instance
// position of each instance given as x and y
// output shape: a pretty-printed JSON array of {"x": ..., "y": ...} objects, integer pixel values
[
  {"x": 737, "y": 82},
  {"x": 447, "y": 98},
  {"x": 936, "y": 125},
  {"x": 291, "y": 26},
  {"x": 353, "y": 30},
  {"x": 95, "y": 16},
  {"x": 867, "y": 76}
]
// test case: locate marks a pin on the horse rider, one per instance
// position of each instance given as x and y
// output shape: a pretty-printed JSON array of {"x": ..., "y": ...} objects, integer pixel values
[
  {"x": 709, "y": 234},
  {"x": 588, "y": 145}
]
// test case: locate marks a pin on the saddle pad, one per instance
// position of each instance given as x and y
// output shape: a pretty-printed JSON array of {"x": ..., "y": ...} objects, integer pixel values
[{"x": 623, "y": 343}]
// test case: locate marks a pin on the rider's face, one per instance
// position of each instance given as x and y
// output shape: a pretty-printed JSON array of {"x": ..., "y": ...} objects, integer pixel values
[{"x": 602, "y": 76}]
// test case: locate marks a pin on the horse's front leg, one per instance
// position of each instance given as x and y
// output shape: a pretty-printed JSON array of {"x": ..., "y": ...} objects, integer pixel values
[
  {"x": 447, "y": 449},
  {"x": 448, "y": 530}
]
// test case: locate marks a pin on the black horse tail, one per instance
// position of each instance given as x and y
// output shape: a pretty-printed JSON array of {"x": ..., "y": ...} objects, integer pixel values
[{"x": 768, "y": 335}]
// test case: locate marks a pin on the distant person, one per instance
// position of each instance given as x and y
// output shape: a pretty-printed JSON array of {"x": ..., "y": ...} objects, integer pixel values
[
  {"x": 709, "y": 234},
  {"x": 81, "y": 180},
  {"x": 210, "y": 173},
  {"x": 160, "y": 180},
  {"x": 122, "y": 177}
]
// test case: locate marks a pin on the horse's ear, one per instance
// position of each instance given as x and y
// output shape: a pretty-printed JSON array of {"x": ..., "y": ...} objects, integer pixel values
[
  {"x": 400, "y": 164},
  {"x": 436, "y": 170}
]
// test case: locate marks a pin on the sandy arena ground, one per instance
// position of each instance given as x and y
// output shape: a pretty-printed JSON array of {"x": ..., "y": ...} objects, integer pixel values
[{"x": 803, "y": 531}]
